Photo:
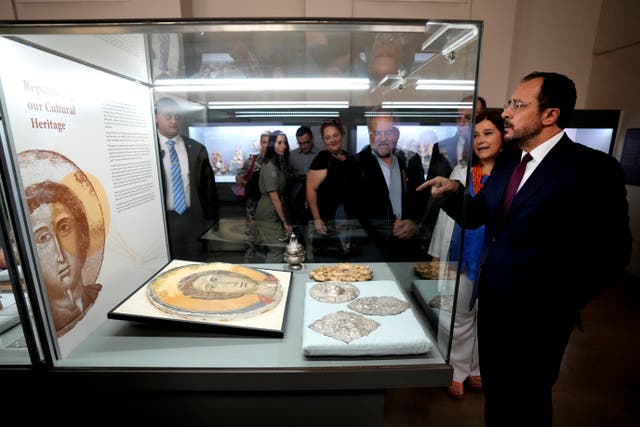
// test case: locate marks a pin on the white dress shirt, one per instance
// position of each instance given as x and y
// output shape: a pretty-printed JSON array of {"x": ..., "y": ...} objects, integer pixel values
[
  {"x": 181, "y": 151},
  {"x": 538, "y": 154}
]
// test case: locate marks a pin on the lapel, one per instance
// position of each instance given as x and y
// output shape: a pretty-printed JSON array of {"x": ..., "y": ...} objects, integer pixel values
[
  {"x": 552, "y": 164},
  {"x": 402, "y": 164},
  {"x": 373, "y": 168},
  {"x": 189, "y": 148},
  {"x": 494, "y": 188},
  {"x": 192, "y": 155},
  {"x": 452, "y": 150}
]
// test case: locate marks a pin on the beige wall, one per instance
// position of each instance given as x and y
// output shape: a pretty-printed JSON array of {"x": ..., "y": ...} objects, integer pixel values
[
  {"x": 96, "y": 9},
  {"x": 498, "y": 18},
  {"x": 614, "y": 84},
  {"x": 555, "y": 35},
  {"x": 250, "y": 8},
  {"x": 596, "y": 42},
  {"x": 6, "y": 10}
]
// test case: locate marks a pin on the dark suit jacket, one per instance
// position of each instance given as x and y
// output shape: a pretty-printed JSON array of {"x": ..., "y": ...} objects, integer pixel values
[
  {"x": 444, "y": 157},
  {"x": 185, "y": 230},
  {"x": 565, "y": 237},
  {"x": 375, "y": 210},
  {"x": 204, "y": 194}
]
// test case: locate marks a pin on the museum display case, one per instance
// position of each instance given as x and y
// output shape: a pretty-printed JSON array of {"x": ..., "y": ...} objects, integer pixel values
[{"x": 89, "y": 215}]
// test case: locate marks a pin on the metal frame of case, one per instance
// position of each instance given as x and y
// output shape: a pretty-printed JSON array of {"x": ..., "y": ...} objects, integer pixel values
[{"x": 141, "y": 360}]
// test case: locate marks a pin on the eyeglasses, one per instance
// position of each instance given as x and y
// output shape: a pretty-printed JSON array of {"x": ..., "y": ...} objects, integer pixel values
[
  {"x": 516, "y": 104},
  {"x": 388, "y": 132},
  {"x": 169, "y": 116}
]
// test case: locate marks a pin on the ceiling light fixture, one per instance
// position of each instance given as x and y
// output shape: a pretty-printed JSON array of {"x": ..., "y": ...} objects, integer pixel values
[
  {"x": 428, "y": 84},
  {"x": 228, "y": 85},
  {"x": 241, "y": 105},
  {"x": 414, "y": 114},
  {"x": 426, "y": 105},
  {"x": 257, "y": 113}
]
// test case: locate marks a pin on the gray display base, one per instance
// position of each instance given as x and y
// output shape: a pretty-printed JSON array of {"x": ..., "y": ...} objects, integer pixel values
[{"x": 237, "y": 375}]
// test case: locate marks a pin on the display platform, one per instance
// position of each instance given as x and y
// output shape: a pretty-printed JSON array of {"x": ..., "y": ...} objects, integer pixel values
[
  {"x": 5, "y": 279},
  {"x": 13, "y": 350},
  {"x": 9, "y": 316},
  {"x": 166, "y": 357}
]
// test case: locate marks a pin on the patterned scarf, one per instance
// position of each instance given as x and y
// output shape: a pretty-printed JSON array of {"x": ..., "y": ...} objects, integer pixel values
[{"x": 476, "y": 177}]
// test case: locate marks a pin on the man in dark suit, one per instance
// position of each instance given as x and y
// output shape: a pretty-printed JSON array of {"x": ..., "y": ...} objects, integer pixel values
[
  {"x": 198, "y": 183},
  {"x": 390, "y": 209},
  {"x": 563, "y": 238},
  {"x": 446, "y": 154},
  {"x": 449, "y": 152}
]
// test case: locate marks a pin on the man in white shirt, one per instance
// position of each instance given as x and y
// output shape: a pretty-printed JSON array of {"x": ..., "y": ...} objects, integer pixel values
[
  {"x": 200, "y": 198},
  {"x": 299, "y": 161},
  {"x": 390, "y": 209}
]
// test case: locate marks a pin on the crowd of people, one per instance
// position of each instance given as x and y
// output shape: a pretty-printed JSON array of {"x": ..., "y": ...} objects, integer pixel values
[{"x": 360, "y": 206}]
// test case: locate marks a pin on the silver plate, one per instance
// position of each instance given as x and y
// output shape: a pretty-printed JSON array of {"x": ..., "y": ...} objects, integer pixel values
[
  {"x": 334, "y": 292},
  {"x": 344, "y": 326},
  {"x": 379, "y": 306}
]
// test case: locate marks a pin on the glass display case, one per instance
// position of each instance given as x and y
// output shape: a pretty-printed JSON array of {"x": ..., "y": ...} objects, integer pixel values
[{"x": 91, "y": 216}]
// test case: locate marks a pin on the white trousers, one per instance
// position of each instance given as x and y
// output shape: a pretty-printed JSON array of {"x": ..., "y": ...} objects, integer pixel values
[{"x": 464, "y": 345}]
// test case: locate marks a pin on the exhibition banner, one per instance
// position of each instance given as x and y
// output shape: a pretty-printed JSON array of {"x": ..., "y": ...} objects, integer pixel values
[{"x": 85, "y": 148}]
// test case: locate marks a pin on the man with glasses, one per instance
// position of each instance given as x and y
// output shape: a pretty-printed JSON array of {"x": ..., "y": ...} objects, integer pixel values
[
  {"x": 556, "y": 233},
  {"x": 390, "y": 209},
  {"x": 448, "y": 153},
  {"x": 299, "y": 161},
  {"x": 300, "y": 158}
]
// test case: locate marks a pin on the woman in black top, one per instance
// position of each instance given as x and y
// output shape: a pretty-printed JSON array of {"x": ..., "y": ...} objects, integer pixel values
[{"x": 330, "y": 179}]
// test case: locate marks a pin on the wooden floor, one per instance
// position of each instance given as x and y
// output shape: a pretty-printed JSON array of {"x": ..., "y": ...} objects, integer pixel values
[{"x": 599, "y": 384}]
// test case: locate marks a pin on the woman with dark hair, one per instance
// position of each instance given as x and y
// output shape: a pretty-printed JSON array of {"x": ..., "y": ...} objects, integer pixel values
[
  {"x": 487, "y": 145},
  {"x": 330, "y": 179},
  {"x": 61, "y": 233},
  {"x": 271, "y": 216},
  {"x": 248, "y": 176}
]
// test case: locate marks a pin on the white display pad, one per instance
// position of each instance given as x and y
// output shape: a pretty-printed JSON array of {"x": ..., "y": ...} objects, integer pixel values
[{"x": 399, "y": 334}]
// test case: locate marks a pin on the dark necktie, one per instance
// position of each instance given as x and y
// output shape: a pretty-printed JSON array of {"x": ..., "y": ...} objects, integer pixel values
[
  {"x": 179, "y": 202},
  {"x": 514, "y": 183}
]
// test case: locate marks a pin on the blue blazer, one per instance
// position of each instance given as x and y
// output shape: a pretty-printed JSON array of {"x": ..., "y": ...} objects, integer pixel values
[{"x": 563, "y": 240}]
